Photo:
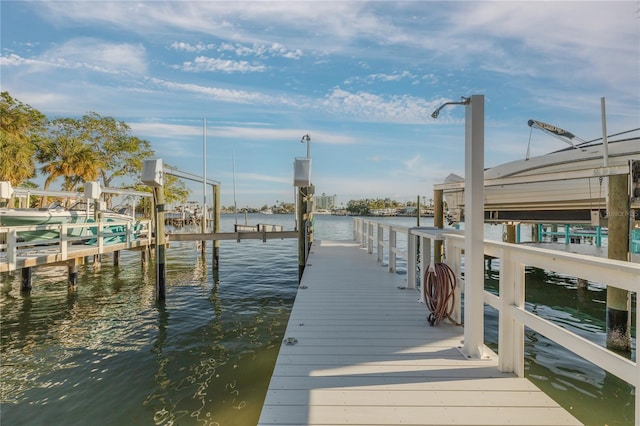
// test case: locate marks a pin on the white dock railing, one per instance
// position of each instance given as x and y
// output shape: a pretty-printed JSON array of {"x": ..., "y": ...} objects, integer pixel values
[
  {"x": 509, "y": 303},
  {"x": 90, "y": 234}
]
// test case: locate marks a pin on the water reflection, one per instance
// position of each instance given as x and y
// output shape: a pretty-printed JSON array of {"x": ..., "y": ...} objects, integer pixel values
[{"x": 109, "y": 354}]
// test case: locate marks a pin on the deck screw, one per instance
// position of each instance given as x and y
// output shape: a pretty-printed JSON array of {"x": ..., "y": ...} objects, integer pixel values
[{"x": 290, "y": 341}]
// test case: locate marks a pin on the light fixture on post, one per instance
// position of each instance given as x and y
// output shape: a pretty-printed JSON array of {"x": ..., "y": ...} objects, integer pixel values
[
  {"x": 473, "y": 224},
  {"x": 463, "y": 101},
  {"x": 306, "y": 138}
]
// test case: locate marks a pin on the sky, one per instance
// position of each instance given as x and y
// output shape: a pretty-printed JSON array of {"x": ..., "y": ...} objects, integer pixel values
[{"x": 360, "y": 78}]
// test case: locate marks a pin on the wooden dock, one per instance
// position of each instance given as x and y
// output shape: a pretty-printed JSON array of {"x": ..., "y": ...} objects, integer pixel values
[{"x": 358, "y": 350}]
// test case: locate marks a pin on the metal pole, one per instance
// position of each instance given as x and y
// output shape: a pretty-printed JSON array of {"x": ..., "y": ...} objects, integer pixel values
[
  {"x": 605, "y": 142},
  {"x": 204, "y": 183}
]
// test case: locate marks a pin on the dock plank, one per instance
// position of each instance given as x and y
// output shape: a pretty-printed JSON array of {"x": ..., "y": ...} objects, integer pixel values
[{"x": 363, "y": 353}]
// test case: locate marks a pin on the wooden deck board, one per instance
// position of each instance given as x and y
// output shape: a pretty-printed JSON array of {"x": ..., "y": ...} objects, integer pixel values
[{"x": 365, "y": 354}]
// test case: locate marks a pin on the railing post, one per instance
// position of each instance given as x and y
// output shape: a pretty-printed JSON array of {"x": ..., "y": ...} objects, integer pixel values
[
  {"x": 380, "y": 245},
  {"x": 363, "y": 241},
  {"x": 392, "y": 249},
  {"x": 12, "y": 248},
  {"x": 356, "y": 222},
  {"x": 510, "y": 333},
  {"x": 63, "y": 241},
  {"x": 411, "y": 260},
  {"x": 425, "y": 256},
  {"x": 100, "y": 237},
  {"x": 454, "y": 260},
  {"x": 370, "y": 238}
]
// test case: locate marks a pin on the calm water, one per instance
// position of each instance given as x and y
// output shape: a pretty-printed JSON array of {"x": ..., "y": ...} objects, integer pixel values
[{"x": 108, "y": 354}]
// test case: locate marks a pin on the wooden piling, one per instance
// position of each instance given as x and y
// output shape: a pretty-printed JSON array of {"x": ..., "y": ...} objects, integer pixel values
[
  {"x": 216, "y": 226},
  {"x": 305, "y": 227},
  {"x": 160, "y": 244},
  {"x": 26, "y": 280},
  {"x": 618, "y": 300},
  {"x": 511, "y": 233},
  {"x": 72, "y": 275},
  {"x": 301, "y": 232},
  {"x": 438, "y": 222}
]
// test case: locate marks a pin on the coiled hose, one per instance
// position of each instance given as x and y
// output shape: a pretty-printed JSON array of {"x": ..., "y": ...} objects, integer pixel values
[{"x": 439, "y": 292}]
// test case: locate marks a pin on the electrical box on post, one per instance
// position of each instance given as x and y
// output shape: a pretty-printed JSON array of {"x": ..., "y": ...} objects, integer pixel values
[
  {"x": 152, "y": 172},
  {"x": 6, "y": 191},
  {"x": 302, "y": 172},
  {"x": 92, "y": 190}
]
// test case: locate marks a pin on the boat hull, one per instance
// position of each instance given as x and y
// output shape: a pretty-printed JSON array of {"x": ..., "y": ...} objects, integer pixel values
[
  {"x": 514, "y": 191},
  {"x": 55, "y": 216}
]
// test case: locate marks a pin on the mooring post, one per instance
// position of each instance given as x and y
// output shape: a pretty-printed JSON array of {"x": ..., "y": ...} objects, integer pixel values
[
  {"x": 618, "y": 300},
  {"x": 302, "y": 227},
  {"x": 26, "y": 280},
  {"x": 438, "y": 222},
  {"x": 72, "y": 280},
  {"x": 143, "y": 258},
  {"x": 160, "y": 244},
  {"x": 510, "y": 237},
  {"x": 216, "y": 226}
]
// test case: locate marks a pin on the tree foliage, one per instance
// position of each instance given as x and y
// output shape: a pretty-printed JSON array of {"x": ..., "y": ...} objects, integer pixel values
[
  {"x": 22, "y": 129},
  {"x": 75, "y": 150},
  {"x": 364, "y": 206}
]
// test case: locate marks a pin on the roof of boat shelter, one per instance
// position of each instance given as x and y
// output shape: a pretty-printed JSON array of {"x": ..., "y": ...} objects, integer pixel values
[{"x": 359, "y": 350}]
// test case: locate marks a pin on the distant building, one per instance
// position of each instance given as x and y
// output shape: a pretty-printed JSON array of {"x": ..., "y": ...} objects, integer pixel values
[{"x": 325, "y": 202}]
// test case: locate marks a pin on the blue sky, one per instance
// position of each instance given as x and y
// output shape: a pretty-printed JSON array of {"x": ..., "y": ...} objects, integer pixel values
[{"x": 362, "y": 78}]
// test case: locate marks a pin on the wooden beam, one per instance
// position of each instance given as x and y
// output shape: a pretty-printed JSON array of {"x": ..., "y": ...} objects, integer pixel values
[{"x": 237, "y": 236}]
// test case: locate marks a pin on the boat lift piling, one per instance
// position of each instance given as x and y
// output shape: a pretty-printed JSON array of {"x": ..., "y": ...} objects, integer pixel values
[
  {"x": 438, "y": 222},
  {"x": 152, "y": 175},
  {"x": 618, "y": 300},
  {"x": 302, "y": 180}
]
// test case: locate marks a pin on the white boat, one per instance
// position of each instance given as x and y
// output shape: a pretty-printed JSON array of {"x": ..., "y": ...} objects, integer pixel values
[
  {"x": 57, "y": 214},
  {"x": 565, "y": 186}
]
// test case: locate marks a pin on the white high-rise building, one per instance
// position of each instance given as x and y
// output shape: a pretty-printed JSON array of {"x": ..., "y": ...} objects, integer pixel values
[{"x": 325, "y": 202}]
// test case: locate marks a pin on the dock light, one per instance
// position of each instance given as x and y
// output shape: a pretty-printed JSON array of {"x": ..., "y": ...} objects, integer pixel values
[
  {"x": 463, "y": 101},
  {"x": 306, "y": 138}
]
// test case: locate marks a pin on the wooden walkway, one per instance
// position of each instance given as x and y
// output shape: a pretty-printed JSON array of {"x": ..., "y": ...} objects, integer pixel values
[{"x": 358, "y": 350}]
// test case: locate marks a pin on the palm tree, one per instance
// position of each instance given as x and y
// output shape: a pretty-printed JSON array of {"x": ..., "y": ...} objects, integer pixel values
[{"x": 71, "y": 159}]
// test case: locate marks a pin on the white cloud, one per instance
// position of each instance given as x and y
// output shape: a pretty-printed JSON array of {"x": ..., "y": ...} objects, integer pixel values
[
  {"x": 99, "y": 55},
  {"x": 86, "y": 53},
  {"x": 261, "y": 50},
  {"x": 155, "y": 129},
  {"x": 370, "y": 107},
  {"x": 226, "y": 95},
  {"x": 205, "y": 64},
  {"x": 187, "y": 47}
]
